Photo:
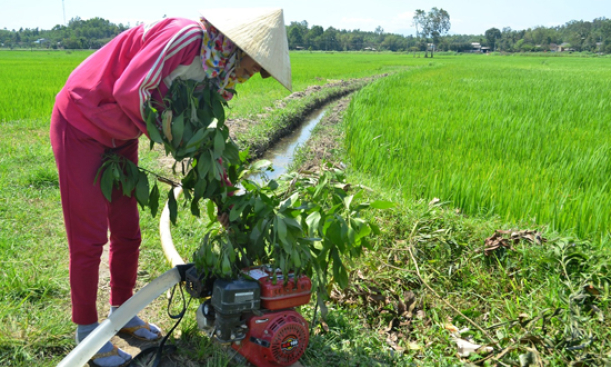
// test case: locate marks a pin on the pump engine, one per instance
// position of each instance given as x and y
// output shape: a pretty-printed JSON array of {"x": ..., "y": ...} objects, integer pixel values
[{"x": 255, "y": 314}]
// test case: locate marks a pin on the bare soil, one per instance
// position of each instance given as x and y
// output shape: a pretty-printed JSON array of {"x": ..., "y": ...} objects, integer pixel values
[
  {"x": 327, "y": 139},
  {"x": 130, "y": 345}
]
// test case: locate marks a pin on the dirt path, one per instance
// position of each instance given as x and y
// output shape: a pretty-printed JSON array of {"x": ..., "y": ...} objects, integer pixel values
[
  {"x": 129, "y": 345},
  {"x": 326, "y": 139}
]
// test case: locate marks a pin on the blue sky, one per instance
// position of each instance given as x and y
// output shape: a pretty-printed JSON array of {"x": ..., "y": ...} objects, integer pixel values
[{"x": 467, "y": 17}]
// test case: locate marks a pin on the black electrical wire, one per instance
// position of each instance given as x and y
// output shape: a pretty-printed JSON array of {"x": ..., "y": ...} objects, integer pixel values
[{"x": 139, "y": 360}]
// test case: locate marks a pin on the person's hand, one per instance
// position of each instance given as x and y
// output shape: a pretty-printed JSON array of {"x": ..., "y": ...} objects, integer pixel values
[{"x": 223, "y": 218}]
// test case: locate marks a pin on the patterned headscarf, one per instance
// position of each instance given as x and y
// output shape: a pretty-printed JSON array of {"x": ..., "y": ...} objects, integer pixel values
[{"x": 220, "y": 58}]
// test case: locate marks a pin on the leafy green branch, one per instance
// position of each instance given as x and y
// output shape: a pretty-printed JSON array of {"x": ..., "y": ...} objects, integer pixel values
[
  {"x": 304, "y": 223},
  {"x": 189, "y": 123}
]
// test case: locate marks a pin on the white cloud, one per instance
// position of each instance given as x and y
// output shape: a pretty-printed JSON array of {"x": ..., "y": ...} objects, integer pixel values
[
  {"x": 131, "y": 22},
  {"x": 406, "y": 15},
  {"x": 400, "y": 23},
  {"x": 358, "y": 20}
]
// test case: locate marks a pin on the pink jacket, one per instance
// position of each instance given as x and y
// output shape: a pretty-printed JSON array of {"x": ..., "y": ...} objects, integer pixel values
[{"x": 105, "y": 95}]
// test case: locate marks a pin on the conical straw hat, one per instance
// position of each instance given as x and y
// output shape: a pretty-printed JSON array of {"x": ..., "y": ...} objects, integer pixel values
[{"x": 260, "y": 33}]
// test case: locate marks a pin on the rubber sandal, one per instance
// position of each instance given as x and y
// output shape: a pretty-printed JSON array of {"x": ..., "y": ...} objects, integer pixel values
[
  {"x": 131, "y": 331},
  {"x": 113, "y": 352}
]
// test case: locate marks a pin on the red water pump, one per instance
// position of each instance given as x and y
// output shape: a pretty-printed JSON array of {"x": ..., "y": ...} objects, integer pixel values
[{"x": 255, "y": 315}]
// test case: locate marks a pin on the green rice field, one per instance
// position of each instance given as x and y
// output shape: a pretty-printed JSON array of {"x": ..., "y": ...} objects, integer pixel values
[
  {"x": 32, "y": 79},
  {"x": 503, "y": 141},
  {"x": 526, "y": 139}
]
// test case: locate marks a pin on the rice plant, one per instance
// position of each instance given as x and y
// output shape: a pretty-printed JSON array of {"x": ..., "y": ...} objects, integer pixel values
[{"x": 514, "y": 137}]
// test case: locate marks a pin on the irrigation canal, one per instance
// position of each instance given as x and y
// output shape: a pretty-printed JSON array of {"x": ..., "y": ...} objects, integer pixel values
[{"x": 281, "y": 154}]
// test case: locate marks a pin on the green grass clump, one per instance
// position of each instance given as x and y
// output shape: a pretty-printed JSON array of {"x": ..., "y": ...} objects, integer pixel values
[
  {"x": 33, "y": 253},
  {"x": 521, "y": 138}
]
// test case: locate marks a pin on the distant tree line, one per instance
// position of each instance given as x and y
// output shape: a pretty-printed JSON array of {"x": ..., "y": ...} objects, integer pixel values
[
  {"x": 594, "y": 36},
  {"x": 78, "y": 34},
  {"x": 576, "y": 35}
]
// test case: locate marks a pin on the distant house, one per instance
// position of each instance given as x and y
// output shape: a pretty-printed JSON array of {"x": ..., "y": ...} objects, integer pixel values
[
  {"x": 553, "y": 47},
  {"x": 565, "y": 47},
  {"x": 485, "y": 50},
  {"x": 369, "y": 49},
  {"x": 42, "y": 42},
  {"x": 299, "y": 48},
  {"x": 476, "y": 47}
]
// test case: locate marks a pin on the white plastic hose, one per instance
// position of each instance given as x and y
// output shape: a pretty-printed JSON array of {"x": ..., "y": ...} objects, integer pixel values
[
  {"x": 166, "y": 236},
  {"x": 111, "y": 326}
]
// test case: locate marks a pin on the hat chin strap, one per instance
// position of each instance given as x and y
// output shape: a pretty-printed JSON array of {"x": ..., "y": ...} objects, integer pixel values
[{"x": 264, "y": 74}]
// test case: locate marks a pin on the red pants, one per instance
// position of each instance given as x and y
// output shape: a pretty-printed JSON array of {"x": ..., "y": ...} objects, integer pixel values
[{"x": 88, "y": 217}]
